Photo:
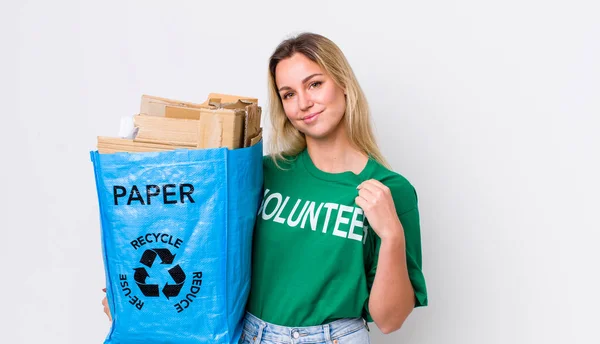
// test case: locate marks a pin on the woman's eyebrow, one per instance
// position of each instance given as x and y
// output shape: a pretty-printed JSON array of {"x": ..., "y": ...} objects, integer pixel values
[
  {"x": 303, "y": 81},
  {"x": 309, "y": 77}
]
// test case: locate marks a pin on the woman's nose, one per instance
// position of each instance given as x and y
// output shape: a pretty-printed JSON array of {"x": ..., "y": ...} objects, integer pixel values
[{"x": 304, "y": 101}]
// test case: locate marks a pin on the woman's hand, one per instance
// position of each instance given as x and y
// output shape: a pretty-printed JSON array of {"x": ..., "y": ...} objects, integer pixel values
[
  {"x": 105, "y": 304},
  {"x": 377, "y": 203}
]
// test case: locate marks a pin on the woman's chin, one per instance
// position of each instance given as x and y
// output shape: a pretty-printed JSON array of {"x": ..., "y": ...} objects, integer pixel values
[{"x": 321, "y": 134}]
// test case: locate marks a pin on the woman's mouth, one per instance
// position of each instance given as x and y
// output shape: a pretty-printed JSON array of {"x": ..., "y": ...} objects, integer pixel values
[{"x": 312, "y": 117}]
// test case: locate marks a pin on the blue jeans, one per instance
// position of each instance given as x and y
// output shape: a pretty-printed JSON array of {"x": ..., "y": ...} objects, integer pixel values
[{"x": 343, "y": 331}]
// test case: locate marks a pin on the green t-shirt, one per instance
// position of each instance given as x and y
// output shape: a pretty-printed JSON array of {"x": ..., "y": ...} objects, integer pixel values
[{"x": 314, "y": 256}]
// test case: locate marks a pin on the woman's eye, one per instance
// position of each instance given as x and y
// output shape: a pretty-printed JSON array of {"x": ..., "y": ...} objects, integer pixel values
[
  {"x": 315, "y": 84},
  {"x": 288, "y": 95}
]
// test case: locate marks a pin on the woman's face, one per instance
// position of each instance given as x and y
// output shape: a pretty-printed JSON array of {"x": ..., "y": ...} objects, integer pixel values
[{"x": 312, "y": 101}]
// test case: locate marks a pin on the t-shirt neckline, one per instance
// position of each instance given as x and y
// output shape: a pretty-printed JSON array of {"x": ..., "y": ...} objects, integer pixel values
[{"x": 340, "y": 176}]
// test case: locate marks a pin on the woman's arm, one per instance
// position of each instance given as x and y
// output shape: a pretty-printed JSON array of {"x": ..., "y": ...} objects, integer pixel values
[{"x": 392, "y": 296}]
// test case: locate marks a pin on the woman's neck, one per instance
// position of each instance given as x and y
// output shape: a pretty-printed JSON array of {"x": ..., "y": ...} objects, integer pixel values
[{"x": 336, "y": 154}]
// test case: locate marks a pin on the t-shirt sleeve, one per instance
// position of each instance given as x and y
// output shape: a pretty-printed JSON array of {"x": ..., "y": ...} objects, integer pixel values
[{"x": 405, "y": 200}]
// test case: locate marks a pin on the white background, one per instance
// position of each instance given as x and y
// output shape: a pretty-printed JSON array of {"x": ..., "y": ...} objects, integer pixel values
[{"x": 490, "y": 108}]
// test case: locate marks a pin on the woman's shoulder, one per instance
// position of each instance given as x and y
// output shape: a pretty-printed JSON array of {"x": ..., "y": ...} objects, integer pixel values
[
  {"x": 389, "y": 177},
  {"x": 403, "y": 191},
  {"x": 281, "y": 161}
]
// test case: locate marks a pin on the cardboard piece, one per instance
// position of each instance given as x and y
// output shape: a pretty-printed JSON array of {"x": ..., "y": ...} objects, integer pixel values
[
  {"x": 155, "y": 106},
  {"x": 228, "y": 98},
  {"x": 256, "y": 138},
  {"x": 114, "y": 145},
  {"x": 163, "y": 124},
  {"x": 252, "y": 124}
]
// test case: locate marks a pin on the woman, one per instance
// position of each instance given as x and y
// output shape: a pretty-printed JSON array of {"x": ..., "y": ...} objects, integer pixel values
[{"x": 337, "y": 238}]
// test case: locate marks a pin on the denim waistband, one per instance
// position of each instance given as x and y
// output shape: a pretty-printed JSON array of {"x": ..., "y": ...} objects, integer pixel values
[{"x": 310, "y": 334}]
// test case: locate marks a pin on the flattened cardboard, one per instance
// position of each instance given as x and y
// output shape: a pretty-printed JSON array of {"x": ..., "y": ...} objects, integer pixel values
[
  {"x": 214, "y": 128},
  {"x": 251, "y": 123},
  {"x": 114, "y": 145},
  {"x": 181, "y": 112},
  {"x": 155, "y": 106},
  {"x": 256, "y": 138},
  {"x": 165, "y": 124},
  {"x": 228, "y": 98},
  {"x": 155, "y": 129}
]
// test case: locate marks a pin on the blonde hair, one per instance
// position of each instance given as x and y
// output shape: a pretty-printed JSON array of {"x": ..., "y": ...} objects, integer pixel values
[{"x": 287, "y": 140}]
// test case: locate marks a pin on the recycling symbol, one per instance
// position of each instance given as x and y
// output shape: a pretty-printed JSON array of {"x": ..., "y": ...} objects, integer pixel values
[{"x": 176, "y": 273}]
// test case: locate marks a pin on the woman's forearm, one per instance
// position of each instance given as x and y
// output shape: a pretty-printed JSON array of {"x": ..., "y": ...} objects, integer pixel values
[{"x": 392, "y": 295}]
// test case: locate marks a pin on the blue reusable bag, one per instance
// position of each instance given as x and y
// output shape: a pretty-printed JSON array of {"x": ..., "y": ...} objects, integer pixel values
[{"x": 177, "y": 239}]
